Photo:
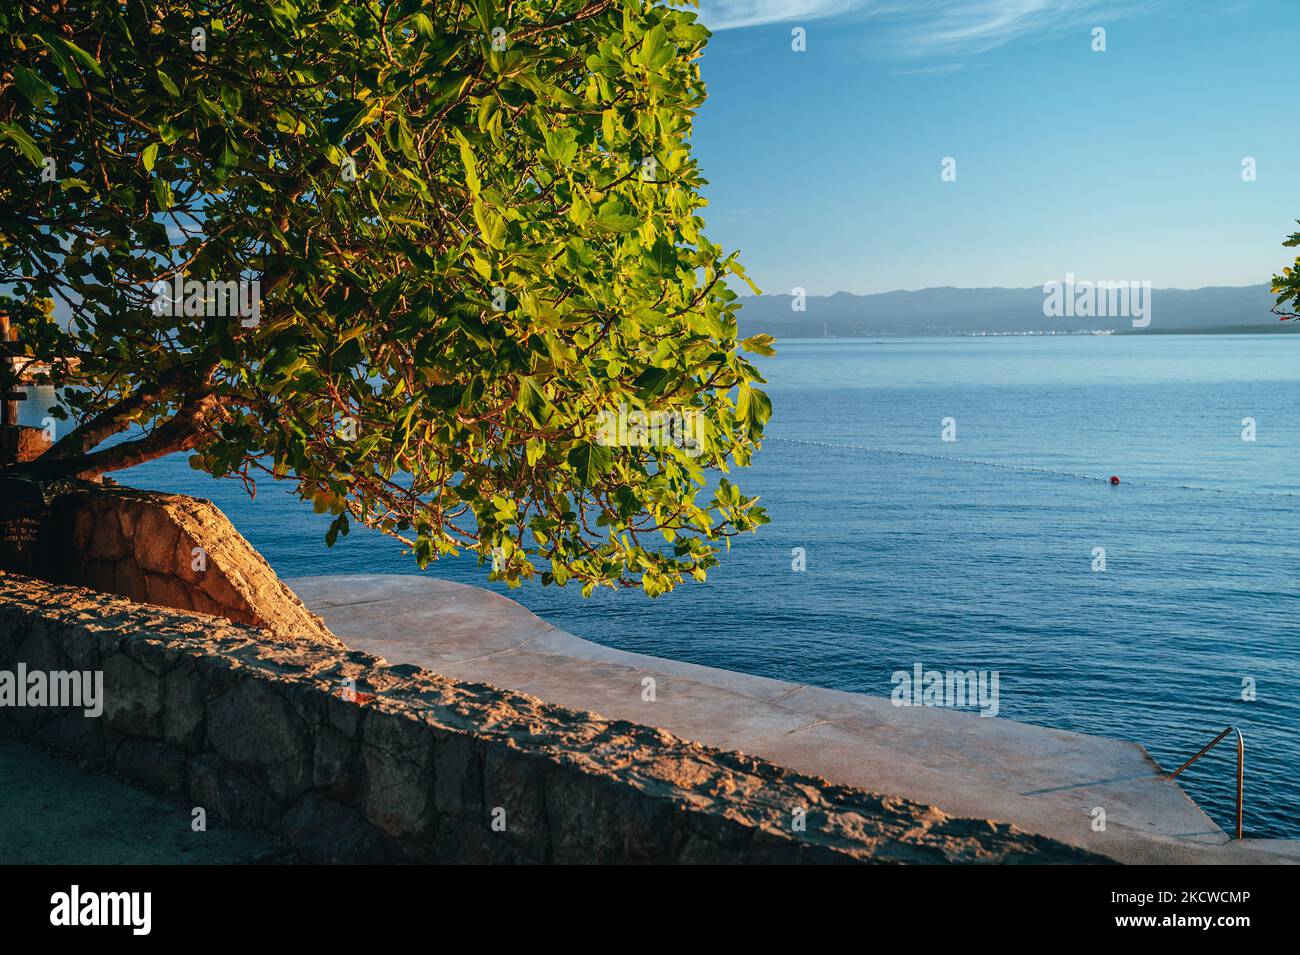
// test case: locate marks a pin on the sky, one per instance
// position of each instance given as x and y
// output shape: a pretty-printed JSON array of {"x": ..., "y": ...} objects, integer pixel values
[{"x": 824, "y": 166}]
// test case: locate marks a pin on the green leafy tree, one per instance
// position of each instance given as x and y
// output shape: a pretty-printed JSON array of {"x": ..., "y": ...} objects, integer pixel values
[
  {"x": 1287, "y": 285},
  {"x": 476, "y": 233}
]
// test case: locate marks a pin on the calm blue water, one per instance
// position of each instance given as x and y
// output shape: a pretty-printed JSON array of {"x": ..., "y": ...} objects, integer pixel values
[{"x": 977, "y": 553}]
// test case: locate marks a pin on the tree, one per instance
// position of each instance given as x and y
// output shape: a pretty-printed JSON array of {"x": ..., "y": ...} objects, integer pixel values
[
  {"x": 412, "y": 256},
  {"x": 1287, "y": 285}
]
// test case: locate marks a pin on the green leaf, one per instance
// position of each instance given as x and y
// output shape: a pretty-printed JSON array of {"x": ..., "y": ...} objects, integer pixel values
[
  {"x": 491, "y": 225},
  {"x": 533, "y": 402},
  {"x": 347, "y": 116},
  {"x": 162, "y": 192},
  {"x": 657, "y": 51},
  {"x": 26, "y": 145},
  {"x": 486, "y": 11},
  {"x": 167, "y": 84},
  {"x": 759, "y": 344},
  {"x": 754, "y": 407},
  {"x": 470, "y": 164},
  {"x": 653, "y": 381},
  {"x": 62, "y": 62},
  {"x": 37, "y": 91},
  {"x": 169, "y": 133},
  {"x": 591, "y": 462},
  {"x": 80, "y": 55},
  {"x": 423, "y": 26},
  {"x": 281, "y": 361},
  {"x": 219, "y": 147},
  {"x": 232, "y": 100},
  {"x": 561, "y": 145},
  {"x": 613, "y": 217},
  {"x": 149, "y": 156}
]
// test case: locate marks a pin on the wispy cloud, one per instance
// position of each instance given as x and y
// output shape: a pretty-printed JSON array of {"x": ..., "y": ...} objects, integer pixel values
[
  {"x": 733, "y": 14},
  {"x": 926, "y": 27},
  {"x": 931, "y": 70}
]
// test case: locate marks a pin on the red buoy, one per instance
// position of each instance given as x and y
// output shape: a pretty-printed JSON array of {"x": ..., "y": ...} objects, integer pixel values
[{"x": 1114, "y": 479}]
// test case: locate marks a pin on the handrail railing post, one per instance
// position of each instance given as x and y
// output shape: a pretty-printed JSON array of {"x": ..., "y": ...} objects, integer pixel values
[
  {"x": 1241, "y": 776},
  {"x": 1241, "y": 766}
]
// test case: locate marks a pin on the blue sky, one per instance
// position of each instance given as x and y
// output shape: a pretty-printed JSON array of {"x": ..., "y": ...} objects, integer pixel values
[{"x": 824, "y": 166}]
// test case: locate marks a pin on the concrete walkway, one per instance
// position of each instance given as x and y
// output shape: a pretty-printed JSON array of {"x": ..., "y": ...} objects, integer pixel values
[
  {"x": 1043, "y": 780},
  {"x": 54, "y": 813}
]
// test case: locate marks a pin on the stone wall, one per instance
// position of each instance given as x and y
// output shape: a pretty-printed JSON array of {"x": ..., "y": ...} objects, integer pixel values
[
  {"x": 21, "y": 443},
  {"x": 266, "y": 731},
  {"x": 164, "y": 549}
]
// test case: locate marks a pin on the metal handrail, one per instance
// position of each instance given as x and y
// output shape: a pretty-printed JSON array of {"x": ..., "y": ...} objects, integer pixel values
[{"x": 1241, "y": 764}]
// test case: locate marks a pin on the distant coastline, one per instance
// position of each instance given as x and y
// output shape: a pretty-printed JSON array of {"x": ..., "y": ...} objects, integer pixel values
[
  {"x": 951, "y": 311},
  {"x": 1281, "y": 328},
  {"x": 1278, "y": 327}
]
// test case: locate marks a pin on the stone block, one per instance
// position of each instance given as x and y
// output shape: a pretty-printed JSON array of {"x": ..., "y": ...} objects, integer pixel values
[
  {"x": 184, "y": 707},
  {"x": 329, "y": 833},
  {"x": 156, "y": 540},
  {"x": 515, "y": 782},
  {"x": 467, "y": 843},
  {"x": 601, "y": 819},
  {"x": 336, "y": 765},
  {"x": 252, "y": 727},
  {"x": 155, "y": 764},
  {"x": 458, "y": 776},
  {"x": 168, "y": 592},
  {"x": 132, "y": 697},
  {"x": 225, "y": 792},
  {"x": 129, "y": 581},
  {"x": 398, "y": 757}
]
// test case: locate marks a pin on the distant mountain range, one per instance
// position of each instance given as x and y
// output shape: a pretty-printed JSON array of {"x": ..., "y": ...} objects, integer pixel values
[{"x": 972, "y": 311}]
